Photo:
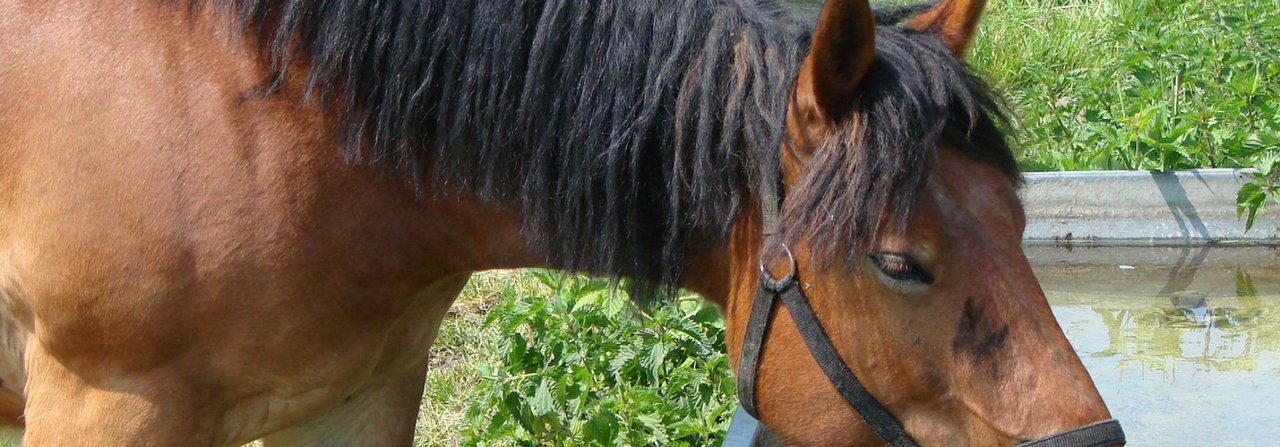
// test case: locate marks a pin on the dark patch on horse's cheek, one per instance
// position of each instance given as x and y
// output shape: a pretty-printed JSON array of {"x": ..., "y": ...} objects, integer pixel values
[
  {"x": 982, "y": 349},
  {"x": 993, "y": 343},
  {"x": 968, "y": 327}
]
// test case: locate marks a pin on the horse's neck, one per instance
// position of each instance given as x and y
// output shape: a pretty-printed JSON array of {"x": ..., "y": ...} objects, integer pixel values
[
  {"x": 716, "y": 267},
  {"x": 490, "y": 236}
]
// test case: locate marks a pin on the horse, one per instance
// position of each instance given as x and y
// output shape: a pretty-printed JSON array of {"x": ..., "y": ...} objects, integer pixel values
[{"x": 230, "y": 220}]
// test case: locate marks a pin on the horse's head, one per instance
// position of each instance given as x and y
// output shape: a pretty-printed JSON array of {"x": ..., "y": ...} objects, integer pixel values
[{"x": 901, "y": 209}]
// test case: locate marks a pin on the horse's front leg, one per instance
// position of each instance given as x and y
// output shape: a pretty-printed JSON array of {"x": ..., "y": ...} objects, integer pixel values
[
  {"x": 91, "y": 400},
  {"x": 110, "y": 366},
  {"x": 384, "y": 412},
  {"x": 133, "y": 408}
]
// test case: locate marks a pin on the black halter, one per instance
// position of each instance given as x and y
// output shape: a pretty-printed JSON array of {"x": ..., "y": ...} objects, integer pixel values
[{"x": 883, "y": 423}]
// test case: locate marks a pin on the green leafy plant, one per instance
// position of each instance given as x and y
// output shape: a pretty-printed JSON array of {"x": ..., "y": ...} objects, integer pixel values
[
  {"x": 1253, "y": 196},
  {"x": 583, "y": 366}
]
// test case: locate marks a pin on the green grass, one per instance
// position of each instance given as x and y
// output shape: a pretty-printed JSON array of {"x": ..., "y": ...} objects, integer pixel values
[
  {"x": 1137, "y": 84},
  {"x": 1141, "y": 84}
]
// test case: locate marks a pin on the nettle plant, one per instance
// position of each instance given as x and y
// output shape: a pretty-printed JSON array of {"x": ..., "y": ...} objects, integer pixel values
[
  {"x": 584, "y": 366},
  {"x": 1264, "y": 187}
]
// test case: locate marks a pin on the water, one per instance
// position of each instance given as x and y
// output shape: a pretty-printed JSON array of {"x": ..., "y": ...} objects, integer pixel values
[{"x": 1184, "y": 354}]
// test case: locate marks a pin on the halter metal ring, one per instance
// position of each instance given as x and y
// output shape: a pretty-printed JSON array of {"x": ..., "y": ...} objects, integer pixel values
[{"x": 791, "y": 272}]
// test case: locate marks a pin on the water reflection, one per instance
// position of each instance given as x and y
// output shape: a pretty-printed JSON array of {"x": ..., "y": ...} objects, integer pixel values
[
  {"x": 1175, "y": 364},
  {"x": 1213, "y": 339},
  {"x": 1190, "y": 326}
]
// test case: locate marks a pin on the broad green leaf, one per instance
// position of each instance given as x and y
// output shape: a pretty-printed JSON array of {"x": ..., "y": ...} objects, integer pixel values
[
  {"x": 1249, "y": 201},
  {"x": 541, "y": 403}
]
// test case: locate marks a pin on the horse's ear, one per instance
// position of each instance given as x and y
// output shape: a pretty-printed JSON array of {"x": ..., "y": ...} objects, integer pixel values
[
  {"x": 953, "y": 21},
  {"x": 842, "y": 51}
]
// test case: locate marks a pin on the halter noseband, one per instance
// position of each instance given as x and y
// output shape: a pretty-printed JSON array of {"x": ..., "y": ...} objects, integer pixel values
[{"x": 872, "y": 412}]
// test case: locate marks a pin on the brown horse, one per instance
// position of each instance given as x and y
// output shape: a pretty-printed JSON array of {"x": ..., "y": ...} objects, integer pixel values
[{"x": 238, "y": 219}]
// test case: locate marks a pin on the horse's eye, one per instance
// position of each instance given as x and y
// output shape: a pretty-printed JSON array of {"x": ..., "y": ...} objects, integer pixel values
[{"x": 899, "y": 267}]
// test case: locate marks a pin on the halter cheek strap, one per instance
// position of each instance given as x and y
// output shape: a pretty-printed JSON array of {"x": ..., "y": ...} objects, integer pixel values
[{"x": 815, "y": 338}]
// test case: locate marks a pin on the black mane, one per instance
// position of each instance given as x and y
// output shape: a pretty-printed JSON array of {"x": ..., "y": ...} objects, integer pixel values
[
  {"x": 619, "y": 127},
  {"x": 916, "y": 96}
]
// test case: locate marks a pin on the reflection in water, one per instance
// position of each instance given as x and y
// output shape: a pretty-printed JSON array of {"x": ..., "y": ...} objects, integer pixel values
[
  {"x": 1177, "y": 366},
  {"x": 1217, "y": 338}
]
